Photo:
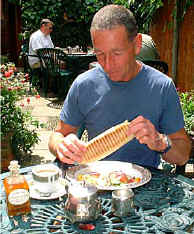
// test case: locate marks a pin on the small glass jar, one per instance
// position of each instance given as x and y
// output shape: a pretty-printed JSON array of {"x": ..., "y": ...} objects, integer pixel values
[
  {"x": 82, "y": 203},
  {"x": 122, "y": 202}
]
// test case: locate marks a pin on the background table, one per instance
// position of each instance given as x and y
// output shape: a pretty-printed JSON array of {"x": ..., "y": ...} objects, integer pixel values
[
  {"x": 164, "y": 205},
  {"x": 79, "y": 62}
]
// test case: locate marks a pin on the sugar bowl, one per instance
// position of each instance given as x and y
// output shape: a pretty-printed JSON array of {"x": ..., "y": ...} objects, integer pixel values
[
  {"x": 122, "y": 202},
  {"x": 82, "y": 204}
]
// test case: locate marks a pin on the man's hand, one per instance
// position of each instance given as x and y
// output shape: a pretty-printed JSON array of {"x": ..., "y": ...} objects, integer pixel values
[
  {"x": 70, "y": 149},
  {"x": 146, "y": 133}
]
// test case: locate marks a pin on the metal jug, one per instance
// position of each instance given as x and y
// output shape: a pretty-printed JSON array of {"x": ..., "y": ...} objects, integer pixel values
[{"x": 82, "y": 204}]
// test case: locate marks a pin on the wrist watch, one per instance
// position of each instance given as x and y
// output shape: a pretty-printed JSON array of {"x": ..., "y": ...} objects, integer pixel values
[{"x": 168, "y": 144}]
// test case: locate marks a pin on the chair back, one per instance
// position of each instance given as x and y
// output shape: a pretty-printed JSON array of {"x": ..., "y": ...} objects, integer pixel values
[
  {"x": 51, "y": 59},
  {"x": 79, "y": 63},
  {"x": 157, "y": 64}
]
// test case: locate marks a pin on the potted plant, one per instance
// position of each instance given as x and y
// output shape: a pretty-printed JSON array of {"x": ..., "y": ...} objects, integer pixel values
[
  {"x": 187, "y": 103},
  {"x": 18, "y": 129}
]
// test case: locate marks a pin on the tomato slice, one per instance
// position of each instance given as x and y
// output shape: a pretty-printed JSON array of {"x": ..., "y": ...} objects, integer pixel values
[
  {"x": 95, "y": 174},
  {"x": 124, "y": 179},
  {"x": 132, "y": 180}
]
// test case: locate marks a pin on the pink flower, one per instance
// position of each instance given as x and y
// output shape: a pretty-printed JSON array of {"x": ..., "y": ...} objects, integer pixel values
[
  {"x": 11, "y": 71},
  {"x": 7, "y": 74},
  {"x": 37, "y": 96}
]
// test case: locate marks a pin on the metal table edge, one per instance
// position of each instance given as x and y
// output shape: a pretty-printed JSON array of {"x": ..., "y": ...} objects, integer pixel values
[{"x": 184, "y": 179}]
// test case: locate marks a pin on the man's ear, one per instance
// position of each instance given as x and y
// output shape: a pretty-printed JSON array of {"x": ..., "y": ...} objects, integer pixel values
[{"x": 138, "y": 43}]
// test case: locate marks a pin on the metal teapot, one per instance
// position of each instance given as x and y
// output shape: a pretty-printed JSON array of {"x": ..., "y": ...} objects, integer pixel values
[{"x": 82, "y": 204}]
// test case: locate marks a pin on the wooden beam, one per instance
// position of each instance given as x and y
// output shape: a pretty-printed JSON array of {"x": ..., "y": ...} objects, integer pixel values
[{"x": 175, "y": 41}]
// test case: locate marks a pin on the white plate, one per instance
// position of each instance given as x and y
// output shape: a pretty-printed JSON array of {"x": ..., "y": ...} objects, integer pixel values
[
  {"x": 60, "y": 191},
  {"x": 105, "y": 167}
]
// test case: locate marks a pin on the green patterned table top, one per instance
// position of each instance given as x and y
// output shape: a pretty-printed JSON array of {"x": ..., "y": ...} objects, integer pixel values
[{"x": 164, "y": 205}]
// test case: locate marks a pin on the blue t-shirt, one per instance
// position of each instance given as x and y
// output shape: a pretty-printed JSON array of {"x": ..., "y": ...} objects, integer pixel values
[{"x": 99, "y": 103}]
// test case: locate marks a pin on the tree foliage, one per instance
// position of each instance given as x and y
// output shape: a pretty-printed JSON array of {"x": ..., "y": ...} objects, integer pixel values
[
  {"x": 72, "y": 18},
  {"x": 144, "y": 12}
]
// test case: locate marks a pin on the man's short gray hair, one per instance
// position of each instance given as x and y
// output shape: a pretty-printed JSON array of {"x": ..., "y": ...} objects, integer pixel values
[{"x": 112, "y": 16}]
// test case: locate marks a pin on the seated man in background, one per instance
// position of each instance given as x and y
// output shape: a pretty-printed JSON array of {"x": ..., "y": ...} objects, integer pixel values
[{"x": 39, "y": 39}]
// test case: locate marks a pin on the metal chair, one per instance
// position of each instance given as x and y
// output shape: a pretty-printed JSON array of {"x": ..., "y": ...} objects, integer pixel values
[
  {"x": 158, "y": 64},
  {"x": 34, "y": 74},
  {"x": 54, "y": 64},
  {"x": 80, "y": 61}
]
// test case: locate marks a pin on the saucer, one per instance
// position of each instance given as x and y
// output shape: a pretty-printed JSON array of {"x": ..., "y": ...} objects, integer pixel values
[{"x": 60, "y": 191}]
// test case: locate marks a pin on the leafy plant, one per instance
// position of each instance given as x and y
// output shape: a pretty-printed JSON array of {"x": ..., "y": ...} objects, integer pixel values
[
  {"x": 144, "y": 12},
  {"x": 14, "y": 121},
  {"x": 187, "y": 103},
  {"x": 72, "y": 19}
]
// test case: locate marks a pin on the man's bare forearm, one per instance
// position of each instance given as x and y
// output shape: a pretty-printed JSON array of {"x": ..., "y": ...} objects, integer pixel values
[{"x": 179, "y": 153}]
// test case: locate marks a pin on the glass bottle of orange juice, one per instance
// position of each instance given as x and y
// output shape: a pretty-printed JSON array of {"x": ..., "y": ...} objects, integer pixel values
[{"x": 17, "y": 191}]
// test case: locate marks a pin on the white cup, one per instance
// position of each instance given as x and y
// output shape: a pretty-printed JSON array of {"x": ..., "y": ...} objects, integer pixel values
[{"x": 46, "y": 177}]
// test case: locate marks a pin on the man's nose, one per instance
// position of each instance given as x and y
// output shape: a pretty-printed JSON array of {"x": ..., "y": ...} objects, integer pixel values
[{"x": 108, "y": 62}]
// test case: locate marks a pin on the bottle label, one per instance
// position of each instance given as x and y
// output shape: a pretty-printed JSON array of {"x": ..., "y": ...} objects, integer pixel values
[{"x": 18, "y": 197}]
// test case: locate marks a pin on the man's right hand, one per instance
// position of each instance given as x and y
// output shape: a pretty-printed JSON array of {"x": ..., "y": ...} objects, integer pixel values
[{"x": 70, "y": 149}]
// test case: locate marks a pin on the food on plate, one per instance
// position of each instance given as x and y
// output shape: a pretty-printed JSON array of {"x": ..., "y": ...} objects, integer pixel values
[
  {"x": 107, "y": 142},
  {"x": 119, "y": 178},
  {"x": 115, "y": 178}
]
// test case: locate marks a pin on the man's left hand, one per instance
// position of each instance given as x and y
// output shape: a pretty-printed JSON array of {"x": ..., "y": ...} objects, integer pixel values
[{"x": 146, "y": 133}]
